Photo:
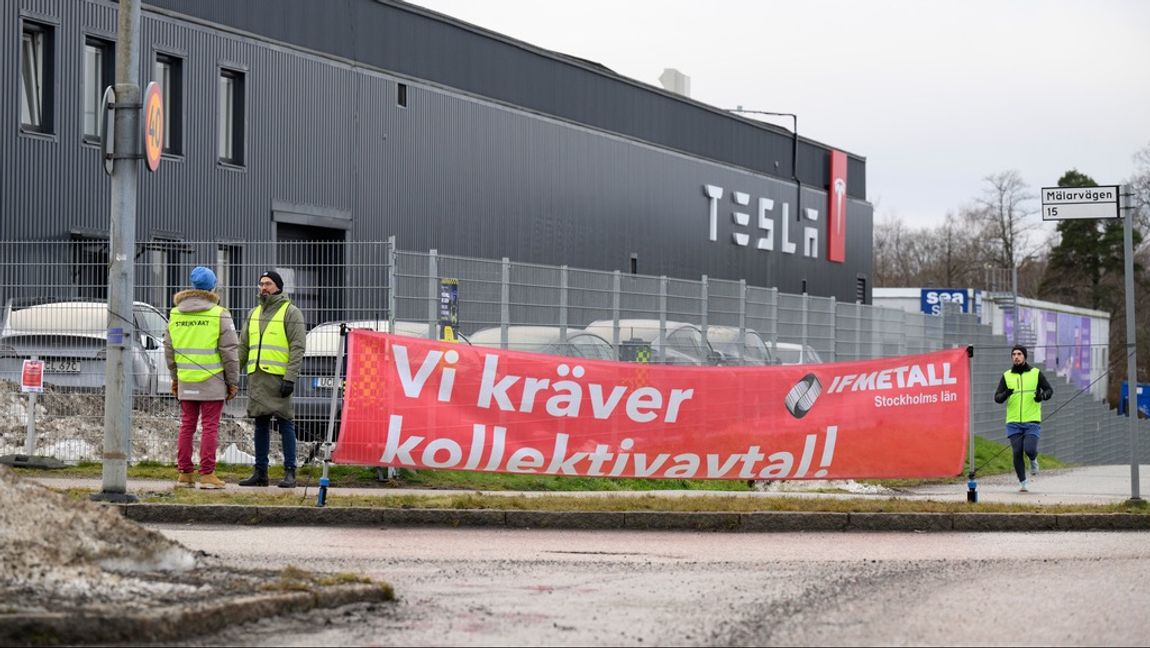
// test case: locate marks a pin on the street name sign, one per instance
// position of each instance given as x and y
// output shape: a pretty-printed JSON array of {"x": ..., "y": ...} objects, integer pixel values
[{"x": 1065, "y": 203}]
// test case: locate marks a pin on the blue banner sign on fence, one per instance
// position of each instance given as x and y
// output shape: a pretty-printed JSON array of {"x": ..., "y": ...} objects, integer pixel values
[{"x": 934, "y": 298}]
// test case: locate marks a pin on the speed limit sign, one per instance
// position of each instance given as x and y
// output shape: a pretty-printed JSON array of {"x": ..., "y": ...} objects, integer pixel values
[{"x": 153, "y": 125}]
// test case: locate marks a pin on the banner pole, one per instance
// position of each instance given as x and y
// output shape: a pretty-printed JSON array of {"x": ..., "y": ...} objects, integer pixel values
[
  {"x": 336, "y": 390},
  {"x": 971, "y": 484}
]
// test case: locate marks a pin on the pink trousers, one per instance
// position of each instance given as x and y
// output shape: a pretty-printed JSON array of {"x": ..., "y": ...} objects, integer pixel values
[{"x": 208, "y": 414}]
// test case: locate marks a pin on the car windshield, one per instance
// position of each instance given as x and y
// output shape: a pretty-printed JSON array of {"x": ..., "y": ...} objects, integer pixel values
[
  {"x": 151, "y": 322},
  {"x": 591, "y": 346},
  {"x": 789, "y": 354},
  {"x": 688, "y": 341},
  {"x": 755, "y": 350}
]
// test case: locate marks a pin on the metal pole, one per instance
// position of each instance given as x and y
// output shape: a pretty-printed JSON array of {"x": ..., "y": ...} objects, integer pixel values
[
  {"x": 504, "y": 302},
  {"x": 1131, "y": 341},
  {"x": 433, "y": 295},
  {"x": 392, "y": 279},
  {"x": 663, "y": 319},
  {"x": 30, "y": 427},
  {"x": 703, "y": 314},
  {"x": 1014, "y": 291},
  {"x": 336, "y": 390},
  {"x": 121, "y": 332},
  {"x": 563, "y": 306},
  {"x": 971, "y": 484},
  {"x": 616, "y": 289}
]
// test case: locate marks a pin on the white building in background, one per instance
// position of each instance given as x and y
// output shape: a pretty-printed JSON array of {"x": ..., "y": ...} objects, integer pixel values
[{"x": 1068, "y": 341}]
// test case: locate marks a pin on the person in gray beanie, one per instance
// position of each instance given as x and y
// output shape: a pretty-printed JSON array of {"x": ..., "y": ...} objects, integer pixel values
[
  {"x": 272, "y": 347},
  {"x": 1023, "y": 388},
  {"x": 202, "y": 354}
]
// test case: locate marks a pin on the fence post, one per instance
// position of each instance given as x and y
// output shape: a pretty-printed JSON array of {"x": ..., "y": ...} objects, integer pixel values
[
  {"x": 834, "y": 333},
  {"x": 663, "y": 315},
  {"x": 616, "y": 288},
  {"x": 563, "y": 306},
  {"x": 858, "y": 331},
  {"x": 742, "y": 310},
  {"x": 774, "y": 293},
  {"x": 432, "y": 294},
  {"x": 806, "y": 308},
  {"x": 504, "y": 302},
  {"x": 704, "y": 310},
  {"x": 392, "y": 258}
]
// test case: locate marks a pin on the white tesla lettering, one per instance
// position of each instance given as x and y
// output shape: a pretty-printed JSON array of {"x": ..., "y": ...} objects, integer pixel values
[{"x": 765, "y": 223}]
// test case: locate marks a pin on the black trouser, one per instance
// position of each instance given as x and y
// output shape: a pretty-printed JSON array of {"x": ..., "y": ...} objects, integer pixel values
[{"x": 1023, "y": 444}]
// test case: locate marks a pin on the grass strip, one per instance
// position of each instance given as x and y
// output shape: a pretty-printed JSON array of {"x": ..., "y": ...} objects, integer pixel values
[{"x": 645, "y": 502}]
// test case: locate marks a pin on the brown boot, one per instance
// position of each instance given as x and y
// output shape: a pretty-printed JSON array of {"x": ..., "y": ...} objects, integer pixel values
[
  {"x": 186, "y": 480},
  {"x": 211, "y": 482}
]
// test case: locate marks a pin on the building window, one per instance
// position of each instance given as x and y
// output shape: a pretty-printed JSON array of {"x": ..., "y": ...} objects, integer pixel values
[
  {"x": 401, "y": 95},
  {"x": 98, "y": 70},
  {"x": 230, "y": 124},
  {"x": 168, "y": 71},
  {"x": 229, "y": 284},
  {"x": 860, "y": 290},
  {"x": 36, "y": 77},
  {"x": 90, "y": 266},
  {"x": 162, "y": 276}
]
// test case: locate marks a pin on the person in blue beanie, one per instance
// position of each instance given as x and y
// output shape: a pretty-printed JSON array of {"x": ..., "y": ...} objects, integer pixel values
[{"x": 202, "y": 353}]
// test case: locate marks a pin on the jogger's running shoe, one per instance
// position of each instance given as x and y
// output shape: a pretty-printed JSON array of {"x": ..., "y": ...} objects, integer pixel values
[
  {"x": 1034, "y": 466},
  {"x": 1024, "y": 486}
]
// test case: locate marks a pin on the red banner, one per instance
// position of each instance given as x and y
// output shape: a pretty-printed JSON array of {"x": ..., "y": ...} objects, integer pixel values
[{"x": 429, "y": 404}]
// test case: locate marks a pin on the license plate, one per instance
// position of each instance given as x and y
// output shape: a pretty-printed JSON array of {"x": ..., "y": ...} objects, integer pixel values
[
  {"x": 62, "y": 366},
  {"x": 324, "y": 382}
]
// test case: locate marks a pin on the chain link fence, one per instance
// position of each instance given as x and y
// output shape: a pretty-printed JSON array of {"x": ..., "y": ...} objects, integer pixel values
[{"x": 54, "y": 295}]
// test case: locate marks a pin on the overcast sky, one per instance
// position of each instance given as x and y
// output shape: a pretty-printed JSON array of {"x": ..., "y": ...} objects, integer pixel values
[{"x": 935, "y": 95}]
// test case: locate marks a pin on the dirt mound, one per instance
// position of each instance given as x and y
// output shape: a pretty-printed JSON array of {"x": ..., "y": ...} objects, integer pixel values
[{"x": 56, "y": 552}]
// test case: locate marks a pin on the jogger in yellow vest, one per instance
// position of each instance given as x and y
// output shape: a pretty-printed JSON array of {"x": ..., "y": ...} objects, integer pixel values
[{"x": 1023, "y": 388}]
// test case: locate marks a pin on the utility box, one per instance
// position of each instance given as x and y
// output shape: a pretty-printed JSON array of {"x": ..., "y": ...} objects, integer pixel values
[{"x": 1143, "y": 399}]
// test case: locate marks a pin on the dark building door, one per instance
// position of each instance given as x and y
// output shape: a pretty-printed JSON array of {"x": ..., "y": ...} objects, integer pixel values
[{"x": 311, "y": 260}]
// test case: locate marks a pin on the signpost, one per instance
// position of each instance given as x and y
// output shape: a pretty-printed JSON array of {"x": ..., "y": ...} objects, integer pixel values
[{"x": 1064, "y": 203}]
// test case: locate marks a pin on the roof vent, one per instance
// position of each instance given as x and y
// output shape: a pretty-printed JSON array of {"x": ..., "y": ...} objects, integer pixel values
[{"x": 676, "y": 82}]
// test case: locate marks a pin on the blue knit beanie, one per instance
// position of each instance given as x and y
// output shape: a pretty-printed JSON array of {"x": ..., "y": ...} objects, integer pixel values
[{"x": 203, "y": 278}]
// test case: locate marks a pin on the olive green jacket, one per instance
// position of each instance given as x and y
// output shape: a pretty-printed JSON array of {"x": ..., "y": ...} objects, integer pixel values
[{"x": 263, "y": 388}]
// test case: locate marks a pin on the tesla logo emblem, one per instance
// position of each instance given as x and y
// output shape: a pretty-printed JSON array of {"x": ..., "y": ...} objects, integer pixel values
[
  {"x": 766, "y": 217},
  {"x": 837, "y": 208}
]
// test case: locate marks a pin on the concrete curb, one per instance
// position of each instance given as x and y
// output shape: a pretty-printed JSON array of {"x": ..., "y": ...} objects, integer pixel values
[
  {"x": 173, "y": 622},
  {"x": 765, "y": 521}
]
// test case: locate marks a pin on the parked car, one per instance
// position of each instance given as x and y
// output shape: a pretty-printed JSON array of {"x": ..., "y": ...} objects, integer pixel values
[
  {"x": 313, "y": 393},
  {"x": 547, "y": 339},
  {"x": 792, "y": 353},
  {"x": 751, "y": 350},
  {"x": 70, "y": 336},
  {"x": 680, "y": 344}
]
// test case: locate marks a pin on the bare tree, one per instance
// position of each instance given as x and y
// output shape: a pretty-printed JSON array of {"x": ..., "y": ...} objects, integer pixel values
[
  {"x": 947, "y": 255},
  {"x": 1140, "y": 183},
  {"x": 1005, "y": 213}
]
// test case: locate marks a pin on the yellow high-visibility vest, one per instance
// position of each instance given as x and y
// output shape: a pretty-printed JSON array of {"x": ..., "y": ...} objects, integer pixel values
[
  {"x": 269, "y": 350},
  {"x": 1020, "y": 406},
  {"x": 196, "y": 342}
]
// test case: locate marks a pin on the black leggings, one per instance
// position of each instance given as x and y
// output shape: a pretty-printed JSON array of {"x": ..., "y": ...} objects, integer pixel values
[{"x": 1023, "y": 443}]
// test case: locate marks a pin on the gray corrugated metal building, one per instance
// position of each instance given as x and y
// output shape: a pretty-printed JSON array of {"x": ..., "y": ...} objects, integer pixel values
[{"x": 361, "y": 119}]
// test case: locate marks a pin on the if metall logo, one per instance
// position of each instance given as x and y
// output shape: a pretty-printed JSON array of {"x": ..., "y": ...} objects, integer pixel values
[{"x": 801, "y": 398}]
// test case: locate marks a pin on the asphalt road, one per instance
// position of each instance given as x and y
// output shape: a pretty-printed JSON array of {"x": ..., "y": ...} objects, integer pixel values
[{"x": 529, "y": 587}]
